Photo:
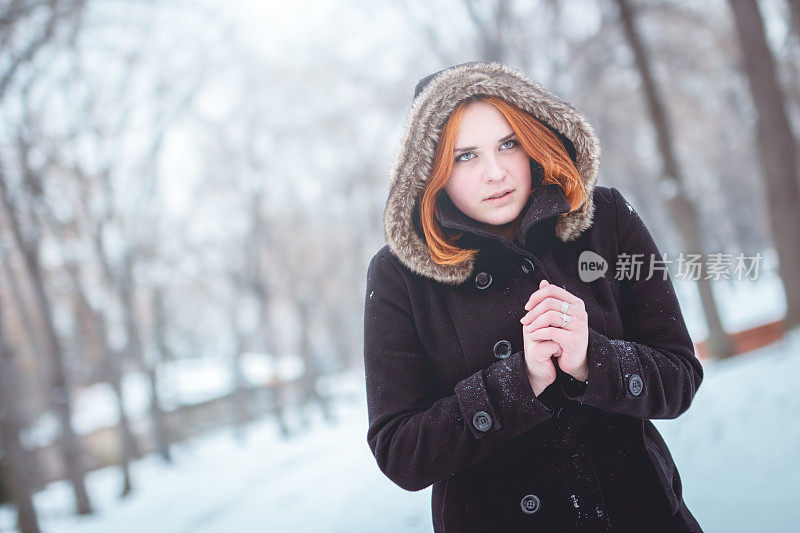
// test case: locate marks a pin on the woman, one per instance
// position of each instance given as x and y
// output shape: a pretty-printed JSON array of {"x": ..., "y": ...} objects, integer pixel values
[{"x": 504, "y": 365}]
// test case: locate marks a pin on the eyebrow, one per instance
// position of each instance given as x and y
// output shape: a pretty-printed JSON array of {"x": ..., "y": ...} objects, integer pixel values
[{"x": 469, "y": 148}]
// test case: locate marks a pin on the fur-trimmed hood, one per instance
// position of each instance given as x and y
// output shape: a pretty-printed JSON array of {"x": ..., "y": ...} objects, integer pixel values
[{"x": 436, "y": 96}]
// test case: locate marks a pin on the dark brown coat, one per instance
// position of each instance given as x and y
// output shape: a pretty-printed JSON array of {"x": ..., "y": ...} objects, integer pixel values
[{"x": 449, "y": 401}]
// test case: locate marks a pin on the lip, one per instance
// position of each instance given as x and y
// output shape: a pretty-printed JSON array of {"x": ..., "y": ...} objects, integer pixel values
[{"x": 505, "y": 196}]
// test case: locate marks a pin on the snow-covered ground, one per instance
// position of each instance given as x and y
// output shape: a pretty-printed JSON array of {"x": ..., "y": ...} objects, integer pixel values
[
  {"x": 738, "y": 446},
  {"x": 737, "y": 449}
]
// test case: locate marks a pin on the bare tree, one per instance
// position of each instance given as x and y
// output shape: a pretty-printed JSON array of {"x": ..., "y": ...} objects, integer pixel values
[
  {"x": 28, "y": 246},
  {"x": 18, "y": 15},
  {"x": 777, "y": 148},
  {"x": 68, "y": 233},
  {"x": 15, "y": 462},
  {"x": 251, "y": 279},
  {"x": 683, "y": 211},
  {"x": 22, "y": 305},
  {"x": 163, "y": 434},
  {"x": 114, "y": 372}
]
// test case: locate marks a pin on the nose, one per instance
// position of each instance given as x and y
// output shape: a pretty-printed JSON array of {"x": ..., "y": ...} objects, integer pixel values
[{"x": 494, "y": 169}]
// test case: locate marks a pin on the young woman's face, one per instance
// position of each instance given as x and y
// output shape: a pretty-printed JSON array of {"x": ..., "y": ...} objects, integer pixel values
[{"x": 491, "y": 177}]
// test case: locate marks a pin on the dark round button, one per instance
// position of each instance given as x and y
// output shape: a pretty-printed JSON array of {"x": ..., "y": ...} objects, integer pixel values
[
  {"x": 483, "y": 280},
  {"x": 530, "y": 504},
  {"x": 527, "y": 266},
  {"x": 635, "y": 385},
  {"x": 482, "y": 421},
  {"x": 502, "y": 349}
]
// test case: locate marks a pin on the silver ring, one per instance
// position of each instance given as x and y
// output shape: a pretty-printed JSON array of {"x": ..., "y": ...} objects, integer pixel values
[
  {"x": 564, "y": 307},
  {"x": 566, "y": 319}
]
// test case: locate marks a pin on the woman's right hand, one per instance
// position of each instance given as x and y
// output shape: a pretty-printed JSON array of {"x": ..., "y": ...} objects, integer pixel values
[{"x": 538, "y": 363}]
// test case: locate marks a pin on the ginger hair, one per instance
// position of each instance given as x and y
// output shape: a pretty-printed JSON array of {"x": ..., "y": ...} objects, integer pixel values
[{"x": 536, "y": 139}]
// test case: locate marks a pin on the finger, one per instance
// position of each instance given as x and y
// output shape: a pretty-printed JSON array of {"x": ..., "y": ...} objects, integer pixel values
[
  {"x": 542, "y": 350},
  {"x": 554, "y": 349},
  {"x": 548, "y": 318},
  {"x": 552, "y": 291},
  {"x": 541, "y": 308},
  {"x": 550, "y": 333}
]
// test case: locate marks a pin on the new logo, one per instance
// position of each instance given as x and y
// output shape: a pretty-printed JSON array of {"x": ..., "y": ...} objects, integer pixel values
[{"x": 591, "y": 266}]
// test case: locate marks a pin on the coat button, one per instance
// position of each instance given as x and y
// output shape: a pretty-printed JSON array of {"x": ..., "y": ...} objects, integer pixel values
[
  {"x": 530, "y": 504},
  {"x": 635, "y": 385},
  {"x": 483, "y": 280},
  {"x": 502, "y": 349},
  {"x": 482, "y": 421},
  {"x": 527, "y": 266}
]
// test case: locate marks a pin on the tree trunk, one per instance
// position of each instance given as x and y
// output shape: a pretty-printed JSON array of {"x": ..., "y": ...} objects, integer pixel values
[
  {"x": 128, "y": 446},
  {"x": 70, "y": 446},
  {"x": 681, "y": 209},
  {"x": 260, "y": 243},
  {"x": 240, "y": 394},
  {"x": 25, "y": 314},
  {"x": 60, "y": 399},
  {"x": 123, "y": 285},
  {"x": 156, "y": 412},
  {"x": 776, "y": 143},
  {"x": 162, "y": 434},
  {"x": 16, "y": 464},
  {"x": 271, "y": 348},
  {"x": 310, "y": 367}
]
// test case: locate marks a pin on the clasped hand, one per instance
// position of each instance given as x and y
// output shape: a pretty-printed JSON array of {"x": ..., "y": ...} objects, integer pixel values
[{"x": 549, "y": 340}]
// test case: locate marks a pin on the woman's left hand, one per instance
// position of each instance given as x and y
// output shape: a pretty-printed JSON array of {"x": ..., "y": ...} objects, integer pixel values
[{"x": 544, "y": 320}]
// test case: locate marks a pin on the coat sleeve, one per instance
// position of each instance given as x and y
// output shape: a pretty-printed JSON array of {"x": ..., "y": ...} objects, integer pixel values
[
  {"x": 653, "y": 371},
  {"x": 417, "y": 434}
]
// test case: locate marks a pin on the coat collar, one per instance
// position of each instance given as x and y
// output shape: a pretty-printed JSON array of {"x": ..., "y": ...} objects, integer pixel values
[
  {"x": 545, "y": 203},
  {"x": 437, "y": 97}
]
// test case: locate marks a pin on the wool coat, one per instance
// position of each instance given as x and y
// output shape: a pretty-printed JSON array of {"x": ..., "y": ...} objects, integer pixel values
[{"x": 449, "y": 401}]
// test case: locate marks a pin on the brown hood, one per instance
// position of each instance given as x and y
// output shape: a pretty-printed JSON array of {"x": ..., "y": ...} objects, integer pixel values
[{"x": 438, "y": 95}]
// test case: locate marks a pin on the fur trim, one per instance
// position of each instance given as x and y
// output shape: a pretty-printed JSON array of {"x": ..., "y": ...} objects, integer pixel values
[{"x": 414, "y": 160}]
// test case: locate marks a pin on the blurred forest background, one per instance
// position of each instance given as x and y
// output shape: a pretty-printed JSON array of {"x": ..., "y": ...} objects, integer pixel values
[{"x": 190, "y": 192}]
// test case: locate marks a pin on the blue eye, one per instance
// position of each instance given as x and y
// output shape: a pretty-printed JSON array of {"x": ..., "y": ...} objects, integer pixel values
[
  {"x": 509, "y": 144},
  {"x": 462, "y": 158}
]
